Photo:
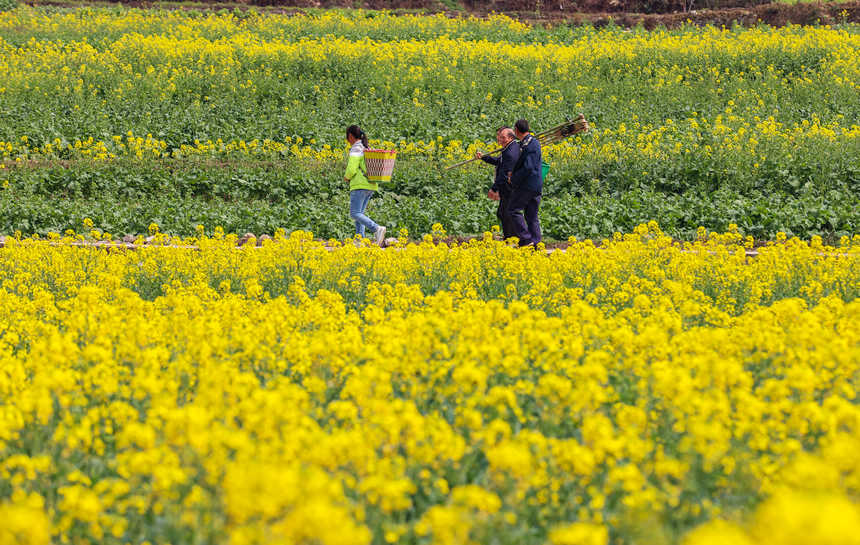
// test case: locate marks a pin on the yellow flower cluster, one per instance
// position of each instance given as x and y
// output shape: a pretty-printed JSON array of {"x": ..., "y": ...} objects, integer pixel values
[
  {"x": 162, "y": 64},
  {"x": 756, "y": 139},
  {"x": 211, "y": 25},
  {"x": 338, "y": 393}
]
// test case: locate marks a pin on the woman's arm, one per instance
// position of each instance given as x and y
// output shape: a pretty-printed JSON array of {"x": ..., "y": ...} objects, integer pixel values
[{"x": 352, "y": 166}]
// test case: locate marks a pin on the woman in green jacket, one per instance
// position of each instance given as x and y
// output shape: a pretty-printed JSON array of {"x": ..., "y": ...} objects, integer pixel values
[{"x": 360, "y": 188}]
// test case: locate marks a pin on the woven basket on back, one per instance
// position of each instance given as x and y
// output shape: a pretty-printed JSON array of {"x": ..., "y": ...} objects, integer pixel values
[{"x": 380, "y": 164}]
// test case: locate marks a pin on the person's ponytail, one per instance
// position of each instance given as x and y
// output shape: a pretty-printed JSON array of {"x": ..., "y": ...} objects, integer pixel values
[{"x": 364, "y": 140}]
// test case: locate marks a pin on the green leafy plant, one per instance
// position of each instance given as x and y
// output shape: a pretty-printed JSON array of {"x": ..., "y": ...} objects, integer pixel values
[{"x": 172, "y": 122}]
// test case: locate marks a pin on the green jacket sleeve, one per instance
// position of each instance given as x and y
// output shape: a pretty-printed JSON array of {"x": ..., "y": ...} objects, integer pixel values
[{"x": 353, "y": 165}]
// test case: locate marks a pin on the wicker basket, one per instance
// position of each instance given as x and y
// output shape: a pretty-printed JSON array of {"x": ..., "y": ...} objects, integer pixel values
[{"x": 380, "y": 164}]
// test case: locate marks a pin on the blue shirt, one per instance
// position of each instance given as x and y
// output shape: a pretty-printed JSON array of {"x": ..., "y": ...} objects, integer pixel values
[
  {"x": 527, "y": 174},
  {"x": 504, "y": 166}
]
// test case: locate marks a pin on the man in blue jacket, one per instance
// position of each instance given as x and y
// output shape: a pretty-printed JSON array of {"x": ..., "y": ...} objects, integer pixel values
[
  {"x": 501, "y": 190},
  {"x": 527, "y": 187}
]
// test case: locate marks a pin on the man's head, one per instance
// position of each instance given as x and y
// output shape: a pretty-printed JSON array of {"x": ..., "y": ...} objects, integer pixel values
[
  {"x": 521, "y": 127},
  {"x": 504, "y": 135}
]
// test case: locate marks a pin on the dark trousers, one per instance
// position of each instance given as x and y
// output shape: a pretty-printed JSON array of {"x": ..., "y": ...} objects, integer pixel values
[
  {"x": 523, "y": 210},
  {"x": 506, "y": 222}
]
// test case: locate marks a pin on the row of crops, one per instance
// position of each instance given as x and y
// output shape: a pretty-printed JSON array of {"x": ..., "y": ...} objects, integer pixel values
[{"x": 237, "y": 119}]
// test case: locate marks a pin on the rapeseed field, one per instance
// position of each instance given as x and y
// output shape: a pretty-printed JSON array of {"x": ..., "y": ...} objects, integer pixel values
[
  {"x": 619, "y": 389},
  {"x": 633, "y": 390},
  {"x": 238, "y": 118}
]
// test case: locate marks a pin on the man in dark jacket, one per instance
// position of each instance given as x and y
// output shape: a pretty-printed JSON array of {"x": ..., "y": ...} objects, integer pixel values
[
  {"x": 527, "y": 186},
  {"x": 501, "y": 190}
]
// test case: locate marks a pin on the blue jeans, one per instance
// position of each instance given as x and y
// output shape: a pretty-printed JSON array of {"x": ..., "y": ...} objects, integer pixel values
[{"x": 358, "y": 199}]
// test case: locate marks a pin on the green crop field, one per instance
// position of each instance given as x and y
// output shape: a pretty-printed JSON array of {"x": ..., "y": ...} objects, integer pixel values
[{"x": 237, "y": 119}]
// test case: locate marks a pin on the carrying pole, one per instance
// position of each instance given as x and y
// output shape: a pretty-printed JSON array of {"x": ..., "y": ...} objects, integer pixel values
[{"x": 549, "y": 136}]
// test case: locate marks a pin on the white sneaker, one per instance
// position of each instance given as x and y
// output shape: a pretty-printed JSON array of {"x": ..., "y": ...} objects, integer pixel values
[{"x": 379, "y": 235}]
